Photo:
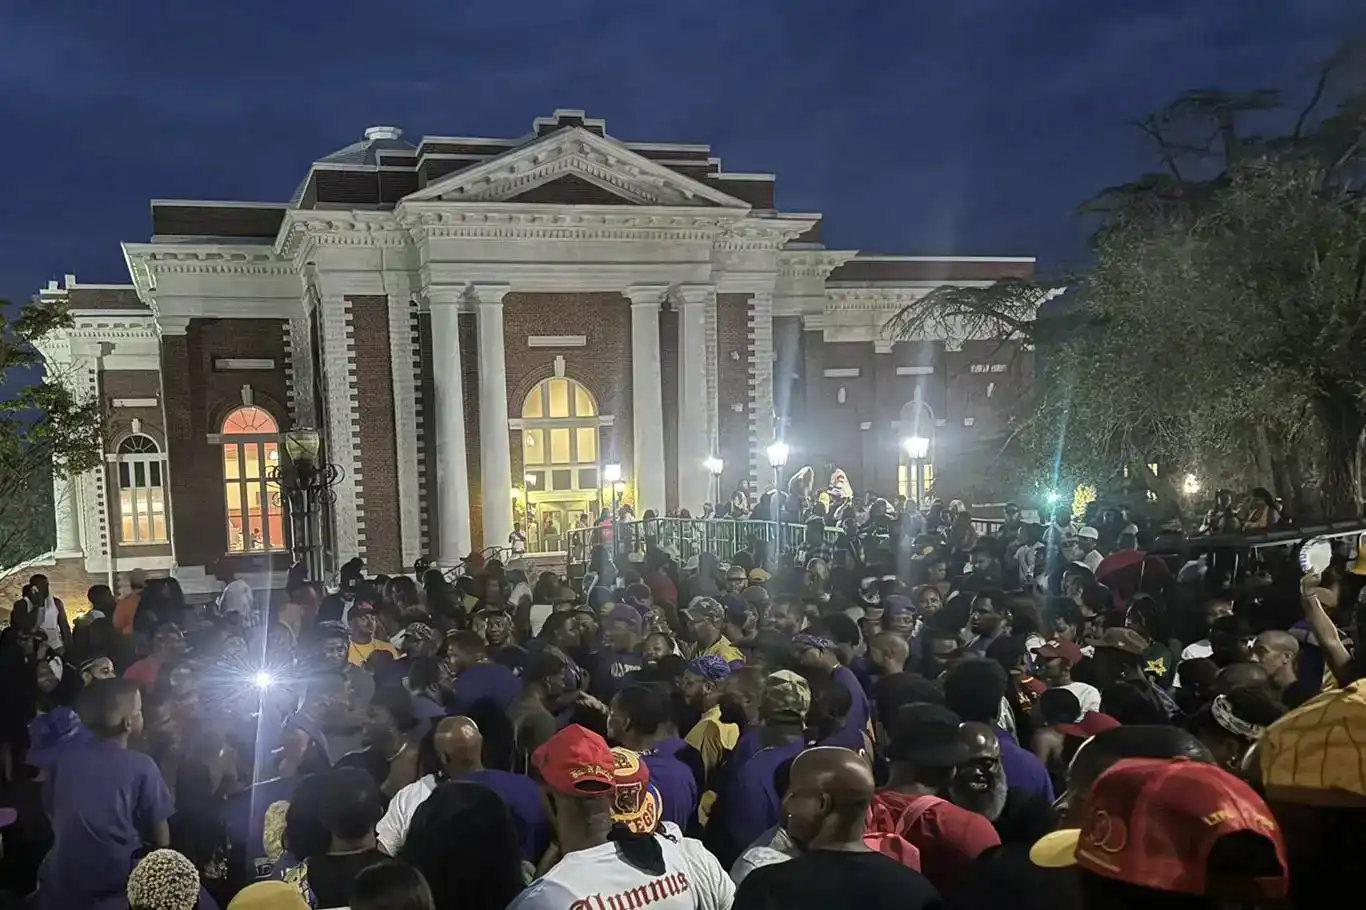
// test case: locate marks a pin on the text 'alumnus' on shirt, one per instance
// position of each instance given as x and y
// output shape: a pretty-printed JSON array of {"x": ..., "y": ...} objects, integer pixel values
[{"x": 600, "y": 867}]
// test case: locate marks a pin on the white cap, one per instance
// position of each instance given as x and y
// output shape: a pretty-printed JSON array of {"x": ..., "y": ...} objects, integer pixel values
[
  {"x": 1130, "y": 529},
  {"x": 1089, "y": 533}
]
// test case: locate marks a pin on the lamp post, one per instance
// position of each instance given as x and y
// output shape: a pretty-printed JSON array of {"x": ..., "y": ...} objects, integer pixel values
[
  {"x": 611, "y": 473},
  {"x": 715, "y": 465},
  {"x": 304, "y": 483},
  {"x": 531, "y": 479},
  {"x": 777, "y": 459},
  {"x": 917, "y": 449}
]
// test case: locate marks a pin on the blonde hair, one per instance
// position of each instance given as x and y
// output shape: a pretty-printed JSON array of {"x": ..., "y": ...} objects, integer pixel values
[{"x": 164, "y": 880}]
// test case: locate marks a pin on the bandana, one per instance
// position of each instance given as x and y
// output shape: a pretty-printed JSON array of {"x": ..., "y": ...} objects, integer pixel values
[
  {"x": 709, "y": 667},
  {"x": 807, "y": 640},
  {"x": 1224, "y": 717}
]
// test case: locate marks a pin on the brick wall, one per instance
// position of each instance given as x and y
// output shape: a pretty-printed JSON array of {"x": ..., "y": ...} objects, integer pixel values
[
  {"x": 830, "y": 433},
  {"x": 732, "y": 367},
  {"x": 197, "y": 398},
  {"x": 378, "y": 494},
  {"x": 603, "y": 365}
]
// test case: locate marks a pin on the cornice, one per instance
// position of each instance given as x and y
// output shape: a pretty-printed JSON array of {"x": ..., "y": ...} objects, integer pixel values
[
  {"x": 764, "y": 233},
  {"x": 812, "y": 263}
]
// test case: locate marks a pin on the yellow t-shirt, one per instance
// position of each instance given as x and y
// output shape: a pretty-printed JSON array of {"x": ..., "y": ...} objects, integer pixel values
[
  {"x": 358, "y": 654},
  {"x": 712, "y": 739},
  {"x": 723, "y": 649}
]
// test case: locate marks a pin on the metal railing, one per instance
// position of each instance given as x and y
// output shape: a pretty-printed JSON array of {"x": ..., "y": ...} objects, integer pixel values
[
  {"x": 685, "y": 537},
  {"x": 689, "y": 537}
]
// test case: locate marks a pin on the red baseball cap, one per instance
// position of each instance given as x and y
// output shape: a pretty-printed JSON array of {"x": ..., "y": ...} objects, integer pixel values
[
  {"x": 1089, "y": 724},
  {"x": 1153, "y": 823},
  {"x": 1069, "y": 651},
  {"x": 576, "y": 762}
]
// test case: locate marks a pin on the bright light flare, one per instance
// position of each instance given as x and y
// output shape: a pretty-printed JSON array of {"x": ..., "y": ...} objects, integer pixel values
[
  {"x": 1053, "y": 496},
  {"x": 264, "y": 680}
]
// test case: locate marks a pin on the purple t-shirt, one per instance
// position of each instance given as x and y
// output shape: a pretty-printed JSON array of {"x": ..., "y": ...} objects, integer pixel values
[
  {"x": 857, "y": 719},
  {"x": 104, "y": 801},
  {"x": 494, "y": 683},
  {"x": 523, "y": 799},
  {"x": 750, "y": 803},
  {"x": 675, "y": 781},
  {"x": 1023, "y": 769}
]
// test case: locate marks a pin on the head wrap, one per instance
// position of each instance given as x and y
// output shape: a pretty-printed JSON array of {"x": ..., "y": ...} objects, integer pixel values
[
  {"x": 1224, "y": 717},
  {"x": 709, "y": 667},
  {"x": 807, "y": 640}
]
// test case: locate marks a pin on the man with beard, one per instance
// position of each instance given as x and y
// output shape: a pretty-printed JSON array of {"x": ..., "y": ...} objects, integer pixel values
[
  {"x": 363, "y": 642},
  {"x": 477, "y": 677},
  {"x": 824, "y": 812},
  {"x": 980, "y": 785},
  {"x": 973, "y": 688},
  {"x": 924, "y": 750}
]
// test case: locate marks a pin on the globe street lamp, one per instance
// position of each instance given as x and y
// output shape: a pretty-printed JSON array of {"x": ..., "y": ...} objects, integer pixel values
[
  {"x": 304, "y": 483},
  {"x": 917, "y": 450},
  {"x": 611, "y": 473},
  {"x": 777, "y": 459},
  {"x": 715, "y": 465}
]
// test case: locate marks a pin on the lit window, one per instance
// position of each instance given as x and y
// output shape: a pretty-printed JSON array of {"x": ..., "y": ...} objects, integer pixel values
[
  {"x": 142, "y": 492},
  {"x": 251, "y": 450},
  {"x": 998, "y": 368},
  {"x": 560, "y": 452},
  {"x": 980, "y": 367}
]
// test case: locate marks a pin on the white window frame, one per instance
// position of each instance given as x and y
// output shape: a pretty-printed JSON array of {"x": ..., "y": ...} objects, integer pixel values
[
  {"x": 575, "y": 422},
  {"x": 140, "y": 494},
  {"x": 238, "y": 485}
]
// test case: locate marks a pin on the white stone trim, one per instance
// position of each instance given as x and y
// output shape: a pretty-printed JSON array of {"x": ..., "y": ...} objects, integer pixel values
[
  {"x": 577, "y": 151},
  {"x": 495, "y": 444},
  {"x": 301, "y": 383},
  {"x": 135, "y": 402},
  {"x": 762, "y": 425},
  {"x": 883, "y": 345},
  {"x": 402, "y": 368},
  {"x": 915, "y": 371},
  {"x": 130, "y": 362},
  {"x": 420, "y": 425},
  {"x": 557, "y": 341},
  {"x": 251, "y": 364},
  {"x": 343, "y": 426},
  {"x": 841, "y": 373}
]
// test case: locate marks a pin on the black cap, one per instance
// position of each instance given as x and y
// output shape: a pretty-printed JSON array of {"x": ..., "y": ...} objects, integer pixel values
[{"x": 927, "y": 735}]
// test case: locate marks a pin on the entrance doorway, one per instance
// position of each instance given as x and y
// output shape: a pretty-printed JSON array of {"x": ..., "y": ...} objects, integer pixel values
[{"x": 561, "y": 459}]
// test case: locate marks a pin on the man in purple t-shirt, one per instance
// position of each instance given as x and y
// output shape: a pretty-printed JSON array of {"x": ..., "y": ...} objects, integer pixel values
[
  {"x": 477, "y": 677},
  {"x": 817, "y": 653},
  {"x": 640, "y": 720},
  {"x": 104, "y": 801}
]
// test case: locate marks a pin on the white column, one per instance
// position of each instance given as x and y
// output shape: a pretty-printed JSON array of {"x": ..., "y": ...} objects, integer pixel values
[
  {"x": 647, "y": 404},
  {"x": 404, "y": 375},
  {"x": 495, "y": 449},
  {"x": 452, "y": 477},
  {"x": 694, "y": 430},
  {"x": 64, "y": 503}
]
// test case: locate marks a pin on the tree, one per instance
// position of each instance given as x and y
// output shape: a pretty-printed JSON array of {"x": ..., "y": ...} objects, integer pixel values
[
  {"x": 1216, "y": 330},
  {"x": 44, "y": 430}
]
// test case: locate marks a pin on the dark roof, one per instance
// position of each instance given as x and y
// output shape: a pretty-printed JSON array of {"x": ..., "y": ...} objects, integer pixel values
[
  {"x": 103, "y": 298},
  {"x": 185, "y": 218},
  {"x": 890, "y": 268}
]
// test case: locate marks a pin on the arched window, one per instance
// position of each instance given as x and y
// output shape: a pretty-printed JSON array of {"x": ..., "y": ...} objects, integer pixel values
[
  {"x": 142, "y": 491},
  {"x": 560, "y": 438},
  {"x": 251, "y": 447}
]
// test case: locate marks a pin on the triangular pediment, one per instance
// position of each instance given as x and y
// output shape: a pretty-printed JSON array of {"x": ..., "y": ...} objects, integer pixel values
[{"x": 571, "y": 167}]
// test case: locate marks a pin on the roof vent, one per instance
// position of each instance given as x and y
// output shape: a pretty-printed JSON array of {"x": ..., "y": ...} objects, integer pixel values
[{"x": 383, "y": 132}]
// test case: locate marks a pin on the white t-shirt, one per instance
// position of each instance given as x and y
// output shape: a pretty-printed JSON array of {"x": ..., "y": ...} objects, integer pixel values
[
  {"x": 237, "y": 597},
  {"x": 392, "y": 829},
  {"x": 1092, "y": 559},
  {"x": 598, "y": 878},
  {"x": 773, "y": 846},
  {"x": 1087, "y": 694}
]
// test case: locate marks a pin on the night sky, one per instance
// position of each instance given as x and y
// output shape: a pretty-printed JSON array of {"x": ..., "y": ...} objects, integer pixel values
[{"x": 967, "y": 127}]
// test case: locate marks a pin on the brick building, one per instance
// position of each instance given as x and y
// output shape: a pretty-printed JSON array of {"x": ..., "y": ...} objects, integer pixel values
[{"x": 477, "y": 327}]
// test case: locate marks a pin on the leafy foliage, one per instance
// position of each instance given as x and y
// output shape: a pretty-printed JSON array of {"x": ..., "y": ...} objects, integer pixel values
[
  {"x": 1219, "y": 330},
  {"x": 44, "y": 429}
]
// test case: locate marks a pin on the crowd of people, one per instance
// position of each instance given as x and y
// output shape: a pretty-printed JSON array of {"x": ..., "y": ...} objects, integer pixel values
[{"x": 907, "y": 714}]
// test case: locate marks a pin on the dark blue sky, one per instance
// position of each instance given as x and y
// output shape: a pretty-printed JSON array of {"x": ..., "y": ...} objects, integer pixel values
[{"x": 970, "y": 126}]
